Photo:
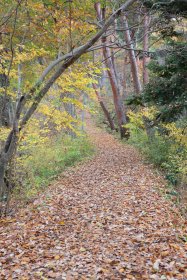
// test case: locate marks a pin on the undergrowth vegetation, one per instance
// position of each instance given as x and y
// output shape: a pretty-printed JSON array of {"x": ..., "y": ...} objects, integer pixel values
[
  {"x": 43, "y": 164},
  {"x": 166, "y": 148}
]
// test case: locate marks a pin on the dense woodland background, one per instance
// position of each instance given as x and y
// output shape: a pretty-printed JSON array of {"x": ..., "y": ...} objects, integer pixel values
[{"x": 121, "y": 62}]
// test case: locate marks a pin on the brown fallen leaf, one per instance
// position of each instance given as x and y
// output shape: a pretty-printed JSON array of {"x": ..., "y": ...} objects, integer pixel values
[{"x": 165, "y": 253}]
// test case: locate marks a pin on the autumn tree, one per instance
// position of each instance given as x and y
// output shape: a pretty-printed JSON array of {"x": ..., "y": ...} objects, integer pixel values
[{"x": 33, "y": 94}]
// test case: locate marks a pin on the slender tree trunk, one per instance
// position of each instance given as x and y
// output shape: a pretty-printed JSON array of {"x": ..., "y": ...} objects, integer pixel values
[
  {"x": 132, "y": 57},
  {"x": 70, "y": 109},
  {"x": 119, "y": 107},
  {"x": 146, "y": 49},
  {"x": 118, "y": 104},
  {"x": 2, "y": 172},
  {"x": 84, "y": 100},
  {"x": 105, "y": 111}
]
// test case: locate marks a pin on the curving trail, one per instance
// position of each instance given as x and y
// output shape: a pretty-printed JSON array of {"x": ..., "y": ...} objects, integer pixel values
[{"x": 103, "y": 219}]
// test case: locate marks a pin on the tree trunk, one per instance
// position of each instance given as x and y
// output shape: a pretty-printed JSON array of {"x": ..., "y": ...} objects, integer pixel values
[
  {"x": 132, "y": 57},
  {"x": 2, "y": 183},
  {"x": 37, "y": 92},
  {"x": 105, "y": 111},
  {"x": 146, "y": 48},
  {"x": 5, "y": 104},
  {"x": 118, "y": 104},
  {"x": 119, "y": 107},
  {"x": 70, "y": 109}
]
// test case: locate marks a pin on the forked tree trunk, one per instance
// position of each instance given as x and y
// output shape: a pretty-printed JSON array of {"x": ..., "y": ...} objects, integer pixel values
[
  {"x": 118, "y": 104},
  {"x": 105, "y": 110},
  {"x": 132, "y": 57}
]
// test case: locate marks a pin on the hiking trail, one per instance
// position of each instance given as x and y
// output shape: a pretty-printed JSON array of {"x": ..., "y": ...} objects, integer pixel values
[{"x": 103, "y": 219}]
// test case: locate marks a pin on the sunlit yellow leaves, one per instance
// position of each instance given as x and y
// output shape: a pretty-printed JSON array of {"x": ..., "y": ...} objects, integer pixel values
[
  {"x": 178, "y": 133},
  {"x": 4, "y": 131},
  {"x": 59, "y": 119},
  {"x": 79, "y": 79},
  {"x": 62, "y": 223},
  {"x": 33, "y": 135},
  {"x": 136, "y": 118},
  {"x": 28, "y": 54}
]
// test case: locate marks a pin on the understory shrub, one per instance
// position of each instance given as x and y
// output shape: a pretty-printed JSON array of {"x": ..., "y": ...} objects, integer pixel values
[
  {"x": 42, "y": 164},
  {"x": 167, "y": 148}
]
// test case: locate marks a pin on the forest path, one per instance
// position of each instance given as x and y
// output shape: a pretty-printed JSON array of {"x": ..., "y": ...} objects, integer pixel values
[{"x": 102, "y": 220}]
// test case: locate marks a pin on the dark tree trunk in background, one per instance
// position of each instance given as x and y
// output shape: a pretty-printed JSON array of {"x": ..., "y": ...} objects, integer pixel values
[
  {"x": 6, "y": 113},
  {"x": 105, "y": 111}
]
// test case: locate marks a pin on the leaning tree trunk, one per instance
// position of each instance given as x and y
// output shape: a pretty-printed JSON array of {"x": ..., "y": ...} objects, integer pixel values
[
  {"x": 119, "y": 107},
  {"x": 105, "y": 111},
  {"x": 118, "y": 104},
  {"x": 39, "y": 90},
  {"x": 132, "y": 57}
]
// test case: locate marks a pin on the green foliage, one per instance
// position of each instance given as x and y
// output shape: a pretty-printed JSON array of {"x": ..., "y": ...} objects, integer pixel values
[
  {"x": 167, "y": 151},
  {"x": 167, "y": 87},
  {"x": 156, "y": 150},
  {"x": 46, "y": 162},
  {"x": 168, "y": 6}
]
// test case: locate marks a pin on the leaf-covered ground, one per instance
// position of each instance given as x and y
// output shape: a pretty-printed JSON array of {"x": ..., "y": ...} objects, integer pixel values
[{"x": 103, "y": 219}]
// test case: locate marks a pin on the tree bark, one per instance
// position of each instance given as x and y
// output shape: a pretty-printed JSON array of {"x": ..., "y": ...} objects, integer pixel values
[
  {"x": 5, "y": 104},
  {"x": 146, "y": 48},
  {"x": 118, "y": 104},
  {"x": 132, "y": 57},
  {"x": 105, "y": 111}
]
